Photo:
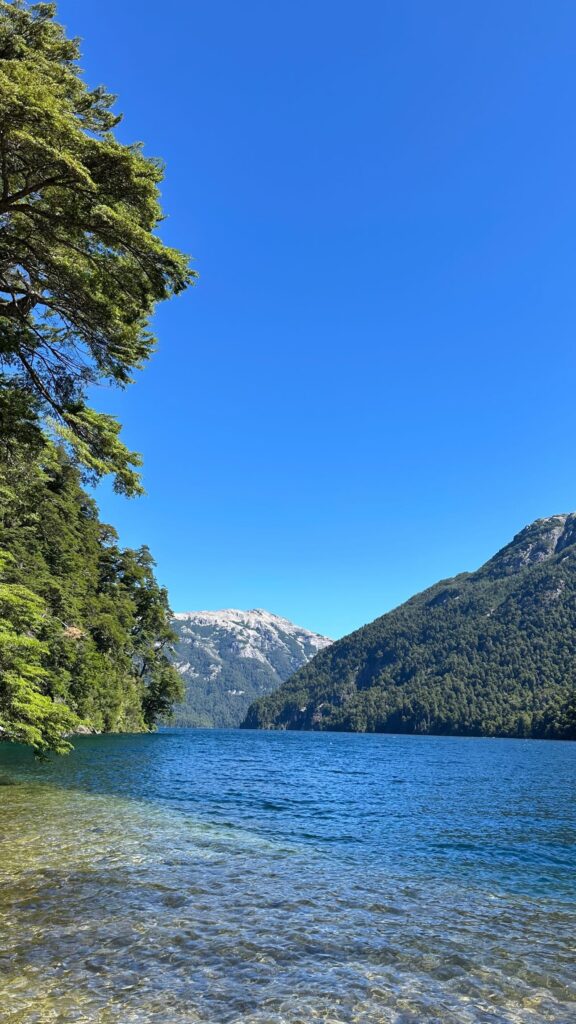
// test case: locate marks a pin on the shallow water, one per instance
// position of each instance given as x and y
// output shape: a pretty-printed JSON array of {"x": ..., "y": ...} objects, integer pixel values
[{"x": 288, "y": 878}]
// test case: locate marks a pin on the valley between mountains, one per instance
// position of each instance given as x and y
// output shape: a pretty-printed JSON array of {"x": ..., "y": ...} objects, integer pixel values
[
  {"x": 230, "y": 658},
  {"x": 486, "y": 653}
]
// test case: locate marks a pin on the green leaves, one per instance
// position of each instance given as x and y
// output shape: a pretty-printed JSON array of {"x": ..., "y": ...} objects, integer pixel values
[
  {"x": 81, "y": 268},
  {"x": 84, "y": 627},
  {"x": 93, "y": 437},
  {"x": 27, "y": 714}
]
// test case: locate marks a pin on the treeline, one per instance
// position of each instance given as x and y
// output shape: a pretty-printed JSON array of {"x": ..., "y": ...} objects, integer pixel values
[
  {"x": 491, "y": 653},
  {"x": 84, "y": 627}
]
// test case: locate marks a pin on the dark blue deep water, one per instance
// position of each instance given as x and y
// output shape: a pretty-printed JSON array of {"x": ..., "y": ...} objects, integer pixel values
[{"x": 288, "y": 878}]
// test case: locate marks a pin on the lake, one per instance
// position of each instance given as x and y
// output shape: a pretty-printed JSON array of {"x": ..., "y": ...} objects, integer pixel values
[{"x": 285, "y": 878}]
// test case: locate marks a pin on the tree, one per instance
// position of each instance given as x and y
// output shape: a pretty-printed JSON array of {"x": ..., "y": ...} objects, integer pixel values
[
  {"x": 84, "y": 626},
  {"x": 81, "y": 268},
  {"x": 27, "y": 713},
  {"x": 151, "y": 635}
]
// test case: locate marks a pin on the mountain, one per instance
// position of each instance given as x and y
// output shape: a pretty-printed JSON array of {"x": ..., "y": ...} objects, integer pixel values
[
  {"x": 229, "y": 658},
  {"x": 491, "y": 652}
]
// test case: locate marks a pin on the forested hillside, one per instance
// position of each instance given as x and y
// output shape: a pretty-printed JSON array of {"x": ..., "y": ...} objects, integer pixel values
[
  {"x": 84, "y": 628},
  {"x": 486, "y": 653}
]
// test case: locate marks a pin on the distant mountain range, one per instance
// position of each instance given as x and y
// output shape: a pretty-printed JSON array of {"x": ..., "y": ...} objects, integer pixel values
[
  {"x": 491, "y": 652},
  {"x": 229, "y": 658}
]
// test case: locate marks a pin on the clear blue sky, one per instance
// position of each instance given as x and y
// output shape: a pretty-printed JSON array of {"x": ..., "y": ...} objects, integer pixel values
[{"x": 373, "y": 384}]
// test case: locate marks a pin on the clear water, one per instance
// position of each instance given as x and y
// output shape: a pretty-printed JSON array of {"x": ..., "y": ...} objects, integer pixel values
[{"x": 288, "y": 878}]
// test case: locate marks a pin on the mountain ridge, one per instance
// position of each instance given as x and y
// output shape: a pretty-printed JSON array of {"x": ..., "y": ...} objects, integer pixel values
[
  {"x": 488, "y": 652},
  {"x": 228, "y": 657}
]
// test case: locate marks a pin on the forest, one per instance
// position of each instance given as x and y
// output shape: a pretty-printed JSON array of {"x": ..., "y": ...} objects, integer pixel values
[{"x": 489, "y": 653}]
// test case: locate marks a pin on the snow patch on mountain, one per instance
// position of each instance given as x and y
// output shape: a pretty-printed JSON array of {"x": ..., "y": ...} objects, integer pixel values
[{"x": 230, "y": 656}]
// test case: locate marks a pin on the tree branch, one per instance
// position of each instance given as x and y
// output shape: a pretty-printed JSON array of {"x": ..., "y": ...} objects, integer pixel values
[
  {"x": 39, "y": 383},
  {"x": 5, "y": 183},
  {"x": 17, "y": 308},
  {"x": 8, "y": 201}
]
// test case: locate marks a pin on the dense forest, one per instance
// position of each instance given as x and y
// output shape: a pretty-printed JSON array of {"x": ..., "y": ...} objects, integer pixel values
[
  {"x": 84, "y": 627},
  {"x": 487, "y": 653}
]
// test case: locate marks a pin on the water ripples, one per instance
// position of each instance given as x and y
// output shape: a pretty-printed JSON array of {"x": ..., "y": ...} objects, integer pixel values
[{"x": 238, "y": 878}]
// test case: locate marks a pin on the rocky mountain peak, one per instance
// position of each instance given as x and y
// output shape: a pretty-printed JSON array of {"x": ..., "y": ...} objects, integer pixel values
[
  {"x": 537, "y": 542},
  {"x": 230, "y": 656}
]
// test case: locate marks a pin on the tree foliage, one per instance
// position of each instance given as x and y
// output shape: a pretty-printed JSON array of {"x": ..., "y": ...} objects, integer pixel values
[
  {"x": 84, "y": 627},
  {"x": 81, "y": 267},
  {"x": 27, "y": 713}
]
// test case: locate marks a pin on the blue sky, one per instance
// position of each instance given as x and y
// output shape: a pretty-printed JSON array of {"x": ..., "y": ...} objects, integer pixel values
[{"x": 372, "y": 385}]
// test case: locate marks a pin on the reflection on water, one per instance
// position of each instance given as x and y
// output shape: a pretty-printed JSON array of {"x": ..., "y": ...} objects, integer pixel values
[{"x": 288, "y": 878}]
